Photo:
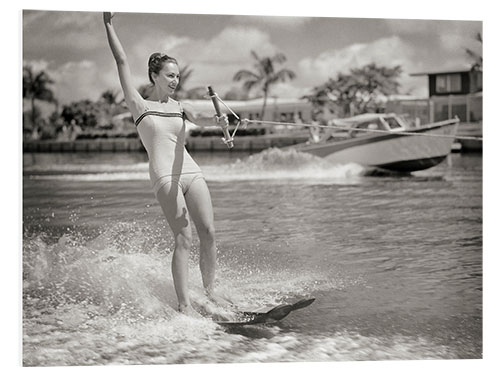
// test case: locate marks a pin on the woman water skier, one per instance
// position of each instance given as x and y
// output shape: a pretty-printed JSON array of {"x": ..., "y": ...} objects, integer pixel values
[{"x": 177, "y": 180}]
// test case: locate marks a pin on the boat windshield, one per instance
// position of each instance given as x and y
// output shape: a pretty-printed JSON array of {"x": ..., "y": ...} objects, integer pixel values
[
  {"x": 374, "y": 124},
  {"x": 392, "y": 122}
]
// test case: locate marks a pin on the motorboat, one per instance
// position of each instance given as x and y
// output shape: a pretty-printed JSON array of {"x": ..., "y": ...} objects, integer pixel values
[{"x": 383, "y": 141}]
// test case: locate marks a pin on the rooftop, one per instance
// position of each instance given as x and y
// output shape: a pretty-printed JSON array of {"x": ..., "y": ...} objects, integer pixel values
[{"x": 460, "y": 69}]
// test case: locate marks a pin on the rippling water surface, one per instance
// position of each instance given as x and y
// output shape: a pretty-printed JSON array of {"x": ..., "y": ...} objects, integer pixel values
[{"x": 395, "y": 262}]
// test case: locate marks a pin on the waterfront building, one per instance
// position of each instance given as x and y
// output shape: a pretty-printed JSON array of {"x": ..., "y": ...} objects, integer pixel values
[{"x": 457, "y": 92}]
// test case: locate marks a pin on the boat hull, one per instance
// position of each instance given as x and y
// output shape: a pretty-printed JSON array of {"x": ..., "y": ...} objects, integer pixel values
[
  {"x": 406, "y": 166},
  {"x": 391, "y": 151}
]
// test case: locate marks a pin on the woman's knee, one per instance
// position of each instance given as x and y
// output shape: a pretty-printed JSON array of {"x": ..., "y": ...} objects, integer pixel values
[
  {"x": 207, "y": 232},
  {"x": 183, "y": 241}
]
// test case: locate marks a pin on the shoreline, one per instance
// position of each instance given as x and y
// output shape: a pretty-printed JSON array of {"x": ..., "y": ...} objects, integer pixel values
[
  {"x": 193, "y": 144},
  {"x": 214, "y": 144}
]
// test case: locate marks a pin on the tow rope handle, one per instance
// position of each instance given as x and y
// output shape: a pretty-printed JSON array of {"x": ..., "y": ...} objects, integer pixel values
[{"x": 227, "y": 139}]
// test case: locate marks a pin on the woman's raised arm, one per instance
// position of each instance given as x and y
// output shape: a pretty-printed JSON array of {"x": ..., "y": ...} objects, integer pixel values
[{"x": 134, "y": 100}]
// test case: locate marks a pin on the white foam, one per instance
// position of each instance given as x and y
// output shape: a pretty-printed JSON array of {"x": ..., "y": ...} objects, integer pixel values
[
  {"x": 127, "y": 269},
  {"x": 275, "y": 164},
  {"x": 123, "y": 176},
  {"x": 85, "y": 168},
  {"x": 269, "y": 165},
  {"x": 116, "y": 305}
]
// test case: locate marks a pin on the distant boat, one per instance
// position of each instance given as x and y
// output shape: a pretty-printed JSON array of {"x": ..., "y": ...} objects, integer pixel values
[{"x": 382, "y": 145}]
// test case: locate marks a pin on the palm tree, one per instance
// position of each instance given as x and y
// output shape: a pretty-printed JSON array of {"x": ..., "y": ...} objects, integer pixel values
[
  {"x": 264, "y": 75},
  {"x": 36, "y": 86},
  {"x": 478, "y": 58}
]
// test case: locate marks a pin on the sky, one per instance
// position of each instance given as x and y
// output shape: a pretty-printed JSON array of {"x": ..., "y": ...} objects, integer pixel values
[{"x": 71, "y": 46}]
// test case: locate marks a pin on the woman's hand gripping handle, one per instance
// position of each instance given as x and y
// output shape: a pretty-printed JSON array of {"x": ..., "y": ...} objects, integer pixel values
[{"x": 221, "y": 119}]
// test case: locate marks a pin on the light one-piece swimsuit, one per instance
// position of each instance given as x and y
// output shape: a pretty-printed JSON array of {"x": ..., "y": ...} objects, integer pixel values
[{"x": 163, "y": 135}]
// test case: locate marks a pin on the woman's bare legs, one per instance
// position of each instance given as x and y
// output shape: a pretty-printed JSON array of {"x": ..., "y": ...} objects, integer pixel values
[
  {"x": 175, "y": 210},
  {"x": 175, "y": 207},
  {"x": 199, "y": 204},
  {"x": 200, "y": 208}
]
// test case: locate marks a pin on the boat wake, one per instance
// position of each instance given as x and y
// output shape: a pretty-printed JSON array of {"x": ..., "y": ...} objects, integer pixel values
[
  {"x": 292, "y": 165},
  {"x": 270, "y": 165}
]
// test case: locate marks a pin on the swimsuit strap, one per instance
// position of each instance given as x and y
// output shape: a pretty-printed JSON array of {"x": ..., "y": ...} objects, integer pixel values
[{"x": 158, "y": 113}]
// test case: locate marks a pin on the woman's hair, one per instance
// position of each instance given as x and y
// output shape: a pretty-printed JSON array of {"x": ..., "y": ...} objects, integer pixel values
[{"x": 156, "y": 62}]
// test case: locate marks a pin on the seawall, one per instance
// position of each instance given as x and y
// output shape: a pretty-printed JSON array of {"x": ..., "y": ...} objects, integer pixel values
[{"x": 246, "y": 143}]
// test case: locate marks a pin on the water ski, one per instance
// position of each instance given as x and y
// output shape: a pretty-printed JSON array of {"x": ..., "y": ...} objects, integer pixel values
[{"x": 266, "y": 314}]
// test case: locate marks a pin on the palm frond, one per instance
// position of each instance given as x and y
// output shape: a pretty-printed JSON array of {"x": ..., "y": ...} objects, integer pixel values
[
  {"x": 245, "y": 74},
  {"x": 264, "y": 74}
]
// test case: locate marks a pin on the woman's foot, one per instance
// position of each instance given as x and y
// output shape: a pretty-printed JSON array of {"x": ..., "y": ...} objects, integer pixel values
[
  {"x": 218, "y": 300},
  {"x": 189, "y": 311}
]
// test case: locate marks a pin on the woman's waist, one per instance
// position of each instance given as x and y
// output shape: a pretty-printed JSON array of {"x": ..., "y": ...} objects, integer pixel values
[
  {"x": 164, "y": 145},
  {"x": 157, "y": 177},
  {"x": 170, "y": 158},
  {"x": 162, "y": 166}
]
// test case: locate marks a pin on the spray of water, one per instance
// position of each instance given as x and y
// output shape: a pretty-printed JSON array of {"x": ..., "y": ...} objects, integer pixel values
[{"x": 271, "y": 164}]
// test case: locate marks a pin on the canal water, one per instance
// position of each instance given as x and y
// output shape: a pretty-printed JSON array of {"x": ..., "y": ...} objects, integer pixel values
[{"x": 394, "y": 262}]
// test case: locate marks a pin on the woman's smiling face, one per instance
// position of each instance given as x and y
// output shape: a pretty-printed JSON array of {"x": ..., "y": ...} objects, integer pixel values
[{"x": 167, "y": 79}]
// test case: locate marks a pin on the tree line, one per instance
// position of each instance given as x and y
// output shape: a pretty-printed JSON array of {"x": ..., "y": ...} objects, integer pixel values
[{"x": 347, "y": 94}]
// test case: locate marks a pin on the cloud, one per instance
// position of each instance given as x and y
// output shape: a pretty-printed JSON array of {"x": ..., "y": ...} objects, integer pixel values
[
  {"x": 37, "y": 65},
  {"x": 232, "y": 45},
  {"x": 215, "y": 61},
  {"x": 390, "y": 52},
  {"x": 78, "y": 21},
  {"x": 31, "y": 17},
  {"x": 75, "y": 81},
  {"x": 170, "y": 44},
  {"x": 451, "y": 42},
  {"x": 457, "y": 43},
  {"x": 58, "y": 30},
  {"x": 449, "y": 35},
  {"x": 408, "y": 26},
  {"x": 78, "y": 80},
  {"x": 275, "y": 22},
  {"x": 432, "y": 27}
]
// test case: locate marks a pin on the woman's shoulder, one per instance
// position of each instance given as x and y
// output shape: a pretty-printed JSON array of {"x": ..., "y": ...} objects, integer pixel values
[
  {"x": 186, "y": 105},
  {"x": 153, "y": 105},
  {"x": 171, "y": 106}
]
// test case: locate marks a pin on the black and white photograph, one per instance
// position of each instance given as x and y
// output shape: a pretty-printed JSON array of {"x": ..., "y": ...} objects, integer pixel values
[{"x": 250, "y": 187}]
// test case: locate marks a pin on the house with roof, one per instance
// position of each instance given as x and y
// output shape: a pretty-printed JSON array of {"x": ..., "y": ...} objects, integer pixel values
[{"x": 456, "y": 92}]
